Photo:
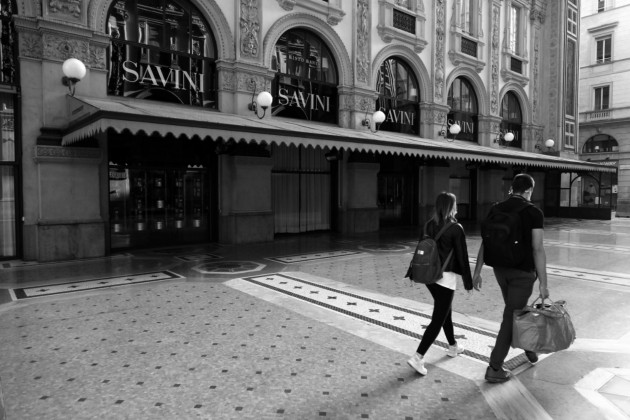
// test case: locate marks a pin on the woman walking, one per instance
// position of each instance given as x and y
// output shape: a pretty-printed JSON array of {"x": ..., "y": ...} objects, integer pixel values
[{"x": 456, "y": 269}]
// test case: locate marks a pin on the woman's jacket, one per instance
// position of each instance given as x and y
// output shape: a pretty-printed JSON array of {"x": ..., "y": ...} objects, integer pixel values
[{"x": 453, "y": 238}]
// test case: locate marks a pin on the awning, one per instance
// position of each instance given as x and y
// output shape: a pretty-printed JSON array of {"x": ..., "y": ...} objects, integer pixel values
[{"x": 90, "y": 116}]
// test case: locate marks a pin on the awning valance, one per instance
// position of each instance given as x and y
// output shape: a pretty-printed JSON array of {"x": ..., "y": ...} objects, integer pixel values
[{"x": 90, "y": 116}]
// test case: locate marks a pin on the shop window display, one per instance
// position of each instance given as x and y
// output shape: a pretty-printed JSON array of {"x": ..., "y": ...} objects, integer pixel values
[
  {"x": 398, "y": 97},
  {"x": 305, "y": 85},
  {"x": 148, "y": 202},
  {"x": 159, "y": 191},
  {"x": 462, "y": 101},
  {"x": 512, "y": 119}
]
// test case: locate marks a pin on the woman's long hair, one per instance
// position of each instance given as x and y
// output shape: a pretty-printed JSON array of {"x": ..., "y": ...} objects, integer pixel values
[{"x": 445, "y": 209}]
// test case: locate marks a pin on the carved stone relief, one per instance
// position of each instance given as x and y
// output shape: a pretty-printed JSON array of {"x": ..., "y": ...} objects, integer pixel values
[
  {"x": 287, "y": 5},
  {"x": 67, "y": 10},
  {"x": 535, "y": 77},
  {"x": 363, "y": 40},
  {"x": 31, "y": 45},
  {"x": 60, "y": 48},
  {"x": 97, "y": 57},
  {"x": 494, "y": 96},
  {"x": 250, "y": 83},
  {"x": 440, "y": 39},
  {"x": 250, "y": 28},
  {"x": 226, "y": 80}
]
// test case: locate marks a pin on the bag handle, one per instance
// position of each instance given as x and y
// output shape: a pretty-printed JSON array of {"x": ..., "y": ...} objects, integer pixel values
[{"x": 554, "y": 309}]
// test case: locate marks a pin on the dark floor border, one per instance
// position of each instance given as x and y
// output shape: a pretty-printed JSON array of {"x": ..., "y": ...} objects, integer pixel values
[{"x": 20, "y": 293}]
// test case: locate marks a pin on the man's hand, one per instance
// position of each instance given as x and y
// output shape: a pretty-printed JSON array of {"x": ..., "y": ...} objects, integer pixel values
[
  {"x": 477, "y": 282},
  {"x": 544, "y": 293}
]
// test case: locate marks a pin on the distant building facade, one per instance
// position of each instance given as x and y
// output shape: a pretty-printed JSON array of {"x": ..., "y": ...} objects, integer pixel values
[
  {"x": 605, "y": 99},
  {"x": 163, "y": 142}
]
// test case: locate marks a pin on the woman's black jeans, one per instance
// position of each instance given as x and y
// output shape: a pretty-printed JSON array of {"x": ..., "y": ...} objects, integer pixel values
[{"x": 441, "y": 318}]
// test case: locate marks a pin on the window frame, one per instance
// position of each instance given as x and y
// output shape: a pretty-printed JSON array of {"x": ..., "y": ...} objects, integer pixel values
[
  {"x": 603, "y": 38},
  {"x": 467, "y": 36},
  {"x": 608, "y": 87},
  {"x": 388, "y": 32}
]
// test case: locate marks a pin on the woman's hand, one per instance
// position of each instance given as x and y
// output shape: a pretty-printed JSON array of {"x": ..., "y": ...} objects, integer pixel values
[{"x": 477, "y": 281}]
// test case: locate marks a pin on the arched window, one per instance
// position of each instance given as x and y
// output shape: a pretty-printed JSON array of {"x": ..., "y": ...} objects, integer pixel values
[
  {"x": 512, "y": 118},
  {"x": 600, "y": 143},
  {"x": 161, "y": 50},
  {"x": 305, "y": 85},
  {"x": 398, "y": 96},
  {"x": 462, "y": 100}
]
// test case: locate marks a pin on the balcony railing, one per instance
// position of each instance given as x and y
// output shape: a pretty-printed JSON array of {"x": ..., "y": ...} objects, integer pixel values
[{"x": 602, "y": 114}]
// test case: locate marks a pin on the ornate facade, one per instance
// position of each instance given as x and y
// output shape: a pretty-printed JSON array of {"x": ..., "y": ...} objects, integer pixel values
[{"x": 160, "y": 144}]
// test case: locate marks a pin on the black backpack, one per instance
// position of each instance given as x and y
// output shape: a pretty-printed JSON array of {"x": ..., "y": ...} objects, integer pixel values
[
  {"x": 502, "y": 235},
  {"x": 426, "y": 266}
]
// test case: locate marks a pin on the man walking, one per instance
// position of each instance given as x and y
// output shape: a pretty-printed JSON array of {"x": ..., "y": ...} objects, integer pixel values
[{"x": 516, "y": 263}]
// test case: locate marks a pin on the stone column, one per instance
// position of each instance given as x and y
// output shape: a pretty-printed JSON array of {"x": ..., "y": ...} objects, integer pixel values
[
  {"x": 488, "y": 127},
  {"x": 359, "y": 209},
  {"x": 491, "y": 189},
  {"x": 434, "y": 179},
  {"x": 245, "y": 212}
]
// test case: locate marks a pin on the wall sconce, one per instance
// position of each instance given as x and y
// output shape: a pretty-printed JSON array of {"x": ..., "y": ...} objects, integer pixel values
[
  {"x": 504, "y": 139},
  {"x": 263, "y": 100},
  {"x": 378, "y": 117},
  {"x": 73, "y": 70},
  {"x": 454, "y": 129},
  {"x": 548, "y": 143}
]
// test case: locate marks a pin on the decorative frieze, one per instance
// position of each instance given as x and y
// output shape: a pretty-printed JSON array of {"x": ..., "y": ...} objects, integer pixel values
[
  {"x": 495, "y": 55},
  {"x": 65, "y": 7},
  {"x": 61, "y": 48},
  {"x": 440, "y": 41},
  {"x": 31, "y": 45},
  {"x": 97, "y": 57},
  {"x": 250, "y": 28},
  {"x": 226, "y": 80},
  {"x": 535, "y": 76},
  {"x": 363, "y": 41}
]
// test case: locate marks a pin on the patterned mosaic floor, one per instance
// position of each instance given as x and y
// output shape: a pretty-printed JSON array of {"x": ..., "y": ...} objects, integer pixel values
[{"x": 477, "y": 342}]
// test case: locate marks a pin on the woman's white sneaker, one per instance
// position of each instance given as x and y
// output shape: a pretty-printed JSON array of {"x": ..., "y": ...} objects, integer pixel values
[
  {"x": 453, "y": 351},
  {"x": 417, "y": 362}
]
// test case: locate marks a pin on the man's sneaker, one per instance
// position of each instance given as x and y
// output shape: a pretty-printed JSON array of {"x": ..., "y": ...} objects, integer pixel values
[
  {"x": 531, "y": 356},
  {"x": 417, "y": 362},
  {"x": 497, "y": 376},
  {"x": 453, "y": 351}
]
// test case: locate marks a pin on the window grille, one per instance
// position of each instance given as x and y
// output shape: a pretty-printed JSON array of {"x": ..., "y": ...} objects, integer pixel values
[
  {"x": 404, "y": 22},
  {"x": 469, "y": 47},
  {"x": 516, "y": 65}
]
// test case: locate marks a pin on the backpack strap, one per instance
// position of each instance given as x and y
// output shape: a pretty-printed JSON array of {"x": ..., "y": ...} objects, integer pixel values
[{"x": 446, "y": 226}]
